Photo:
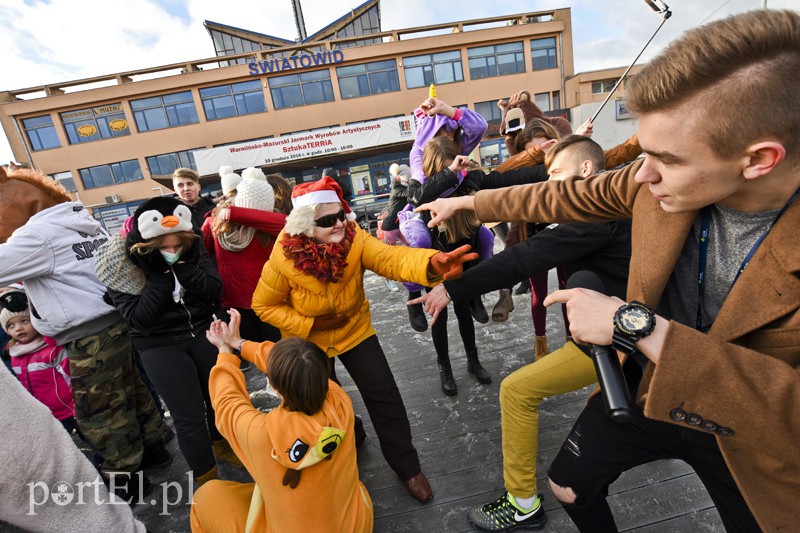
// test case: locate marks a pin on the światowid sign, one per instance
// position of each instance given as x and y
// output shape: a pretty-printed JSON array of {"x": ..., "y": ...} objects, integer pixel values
[{"x": 273, "y": 150}]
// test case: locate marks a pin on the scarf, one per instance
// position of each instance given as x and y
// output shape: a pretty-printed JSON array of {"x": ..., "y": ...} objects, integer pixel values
[
  {"x": 17, "y": 349},
  {"x": 238, "y": 239},
  {"x": 326, "y": 262}
]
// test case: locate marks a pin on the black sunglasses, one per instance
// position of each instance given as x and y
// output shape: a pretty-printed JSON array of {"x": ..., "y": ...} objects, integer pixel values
[
  {"x": 328, "y": 221},
  {"x": 14, "y": 301}
]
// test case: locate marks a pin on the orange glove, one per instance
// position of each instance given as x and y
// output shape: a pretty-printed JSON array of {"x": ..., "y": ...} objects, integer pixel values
[
  {"x": 329, "y": 321},
  {"x": 450, "y": 265}
]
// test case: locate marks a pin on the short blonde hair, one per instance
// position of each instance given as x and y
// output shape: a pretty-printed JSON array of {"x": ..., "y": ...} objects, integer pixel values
[{"x": 186, "y": 173}]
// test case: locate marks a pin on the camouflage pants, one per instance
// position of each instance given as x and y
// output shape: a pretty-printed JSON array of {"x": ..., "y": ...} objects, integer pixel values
[{"x": 113, "y": 407}]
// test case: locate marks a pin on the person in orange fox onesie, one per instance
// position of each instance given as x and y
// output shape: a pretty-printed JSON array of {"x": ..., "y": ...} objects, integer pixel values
[{"x": 302, "y": 454}]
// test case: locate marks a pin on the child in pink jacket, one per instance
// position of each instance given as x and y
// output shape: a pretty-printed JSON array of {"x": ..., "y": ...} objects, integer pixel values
[{"x": 38, "y": 362}]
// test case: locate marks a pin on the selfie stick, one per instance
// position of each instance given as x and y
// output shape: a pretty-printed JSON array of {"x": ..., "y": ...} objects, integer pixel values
[{"x": 662, "y": 9}]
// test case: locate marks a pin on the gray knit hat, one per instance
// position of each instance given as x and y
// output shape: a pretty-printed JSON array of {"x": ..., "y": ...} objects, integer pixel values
[{"x": 254, "y": 192}]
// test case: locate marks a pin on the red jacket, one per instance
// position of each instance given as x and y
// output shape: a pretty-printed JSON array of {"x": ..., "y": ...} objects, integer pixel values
[
  {"x": 45, "y": 374},
  {"x": 240, "y": 271}
]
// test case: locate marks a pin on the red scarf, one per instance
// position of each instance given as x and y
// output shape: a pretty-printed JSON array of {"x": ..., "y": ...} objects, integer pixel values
[{"x": 326, "y": 262}]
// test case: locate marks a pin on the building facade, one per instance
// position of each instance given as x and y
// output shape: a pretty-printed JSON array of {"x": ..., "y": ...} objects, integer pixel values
[{"x": 114, "y": 140}]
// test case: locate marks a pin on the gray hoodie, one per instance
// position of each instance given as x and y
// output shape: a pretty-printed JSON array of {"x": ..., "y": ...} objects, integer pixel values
[{"x": 54, "y": 254}]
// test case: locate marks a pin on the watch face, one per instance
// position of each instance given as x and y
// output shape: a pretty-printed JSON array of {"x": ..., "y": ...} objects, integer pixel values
[{"x": 634, "y": 320}]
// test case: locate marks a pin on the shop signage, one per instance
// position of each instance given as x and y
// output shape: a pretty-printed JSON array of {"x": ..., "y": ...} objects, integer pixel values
[
  {"x": 118, "y": 124},
  {"x": 87, "y": 130},
  {"x": 329, "y": 141},
  {"x": 282, "y": 64}
]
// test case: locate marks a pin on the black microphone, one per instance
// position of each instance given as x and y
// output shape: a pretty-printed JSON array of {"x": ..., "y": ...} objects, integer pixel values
[{"x": 616, "y": 397}]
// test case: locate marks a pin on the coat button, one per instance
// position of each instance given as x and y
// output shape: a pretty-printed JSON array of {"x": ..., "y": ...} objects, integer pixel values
[
  {"x": 693, "y": 419},
  {"x": 709, "y": 425},
  {"x": 724, "y": 432},
  {"x": 678, "y": 414}
]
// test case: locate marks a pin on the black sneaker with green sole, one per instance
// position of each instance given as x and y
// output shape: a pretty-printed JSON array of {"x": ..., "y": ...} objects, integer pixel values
[{"x": 504, "y": 515}]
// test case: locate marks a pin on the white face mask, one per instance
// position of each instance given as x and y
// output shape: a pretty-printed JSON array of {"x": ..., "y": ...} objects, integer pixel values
[{"x": 171, "y": 257}]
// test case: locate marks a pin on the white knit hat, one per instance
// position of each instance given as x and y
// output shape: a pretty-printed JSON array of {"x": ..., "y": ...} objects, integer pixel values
[
  {"x": 229, "y": 179},
  {"x": 254, "y": 192},
  {"x": 5, "y": 313}
]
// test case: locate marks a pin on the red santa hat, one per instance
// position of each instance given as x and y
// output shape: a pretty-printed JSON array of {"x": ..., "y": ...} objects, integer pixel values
[{"x": 322, "y": 191}]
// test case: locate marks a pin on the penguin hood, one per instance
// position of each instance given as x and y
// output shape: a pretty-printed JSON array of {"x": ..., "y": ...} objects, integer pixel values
[{"x": 159, "y": 216}]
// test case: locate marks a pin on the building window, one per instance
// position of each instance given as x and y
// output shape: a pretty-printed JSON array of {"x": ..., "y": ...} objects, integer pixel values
[
  {"x": 367, "y": 23},
  {"x": 225, "y": 44},
  {"x": 497, "y": 60},
  {"x": 95, "y": 123},
  {"x": 233, "y": 100},
  {"x": 66, "y": 181},
  {"x": 493, "y": 153},
  {"x": 444, "y": 67},
  {"x": 603, "y": 86},
  {"x": 166, "y": 164},
  {"x": 368, "y": 78},
  {"x": 542, "y": 100},
  {"x": 556, "y": 99},
  {"x": 104, "y": 175},
  {"x": 301, "y": 89},
  {"x": 41, "y": 133},
  {"x": 166, "y": 111},
  {"x": 543, "y": 53},
  {"x": 491, "y": 113}
]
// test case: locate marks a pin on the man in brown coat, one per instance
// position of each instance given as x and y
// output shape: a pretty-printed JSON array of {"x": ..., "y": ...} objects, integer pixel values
[{"x": 712, "y": 352}]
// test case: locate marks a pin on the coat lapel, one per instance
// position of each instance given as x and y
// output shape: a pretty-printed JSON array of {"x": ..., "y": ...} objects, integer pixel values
[
  {"x": 656, "y": 252},
  {"x": 768, "y": 288}
]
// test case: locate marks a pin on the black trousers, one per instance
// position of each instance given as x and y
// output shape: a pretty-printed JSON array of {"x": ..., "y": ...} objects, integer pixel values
[
  {"x": 366, "y": 363},
  {"x": 253, "y": 329},
  {"x": 466, "y": 328},
  {"x": 598, "y": 450},
  {"x": 180, "y": 373}
]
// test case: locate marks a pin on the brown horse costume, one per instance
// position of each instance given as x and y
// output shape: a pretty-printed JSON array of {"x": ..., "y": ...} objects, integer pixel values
[{"x": 48, "y": 242}]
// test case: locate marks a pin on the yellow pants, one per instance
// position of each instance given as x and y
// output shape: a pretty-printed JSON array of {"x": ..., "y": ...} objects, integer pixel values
[{"x": 564, "y": 370}]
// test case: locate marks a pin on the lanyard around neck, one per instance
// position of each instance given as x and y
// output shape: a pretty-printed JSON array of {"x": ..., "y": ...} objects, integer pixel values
[{"x": 705, "y": 225}]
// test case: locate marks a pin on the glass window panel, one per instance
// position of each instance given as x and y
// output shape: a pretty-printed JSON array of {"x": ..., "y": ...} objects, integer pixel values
[
  {"x": 459, "y": 73},
  {"x": 131, "y": 171},
  {"x": 351, "y": 70},
  {"x": 543, "y": 43},
  {"x": 145, "y": 102},
  {"x": 416, "y": 60},
  {"x": 389, "y": 64},
  {"x": 315, "y": 75},
  {"x": 455, "y": 55},
  {"x": 384, "y": 82},
  {"x": 287, "y": 97},
  {"x": 349, "y": 87},
  {"x": 221, "y": 107},
  {"x": 313, "y": 93},
  {"x": 44, "y": 120},
  {"x": 215, "y": 91},
  {"x": 480, "y": 51},
  {"x": 237, "y": 46},
  {"x": 184, "y": 114},
  {"x": 543, "y": 101},
  {"x": 509, "y": 47},
  {"x": 174, "y": 98},
  {"x": 227, "y": 42},
  {"x": 444, "y": 73},
  {"x": 246, "y": 86},
  {"x": 280, "y": 81},
  {"x": 414, "y": 78}
]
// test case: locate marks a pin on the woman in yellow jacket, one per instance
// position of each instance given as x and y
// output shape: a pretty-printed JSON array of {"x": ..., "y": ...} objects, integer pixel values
[{"x": 312, "y": 287}]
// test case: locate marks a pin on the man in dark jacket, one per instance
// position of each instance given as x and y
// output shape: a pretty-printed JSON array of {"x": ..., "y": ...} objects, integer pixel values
[
  {"x": 186, "y": 183},
  {"x": 600, "y": 247}
]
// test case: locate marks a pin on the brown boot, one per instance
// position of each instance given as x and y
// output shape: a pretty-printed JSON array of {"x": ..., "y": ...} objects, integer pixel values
[
  {"x": 224, "y": 452},
  {"x": 419, "y": 488},
  {"x": 208, "y": 476},
  {"x": 503, "y": 306},
  {"x": 540, "y": 347}
]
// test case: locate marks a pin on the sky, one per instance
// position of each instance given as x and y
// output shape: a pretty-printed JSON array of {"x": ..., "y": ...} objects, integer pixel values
[{"x": 50, "y": 41}]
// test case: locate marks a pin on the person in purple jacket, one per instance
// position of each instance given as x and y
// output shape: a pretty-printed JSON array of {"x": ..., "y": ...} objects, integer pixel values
[{"x": 466, "y": 128}]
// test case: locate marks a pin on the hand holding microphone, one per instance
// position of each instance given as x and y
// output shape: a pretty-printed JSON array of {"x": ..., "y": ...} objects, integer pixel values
[{"x": 616, "y": 397}]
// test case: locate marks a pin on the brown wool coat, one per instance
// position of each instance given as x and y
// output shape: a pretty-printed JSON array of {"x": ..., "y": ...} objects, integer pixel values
[{"x": 744, "y": 375}]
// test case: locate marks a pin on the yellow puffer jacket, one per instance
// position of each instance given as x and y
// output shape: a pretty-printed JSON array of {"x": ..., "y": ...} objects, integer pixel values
[{"x": 290, "y": 299}]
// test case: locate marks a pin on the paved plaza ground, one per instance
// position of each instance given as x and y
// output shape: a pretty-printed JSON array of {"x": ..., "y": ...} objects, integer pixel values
[{"x": 458, "y": 438}]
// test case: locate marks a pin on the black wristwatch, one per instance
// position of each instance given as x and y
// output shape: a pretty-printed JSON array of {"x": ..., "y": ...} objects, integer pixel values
[{"x": 632, "y": 321}]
